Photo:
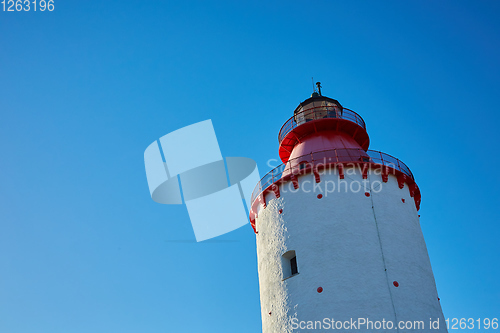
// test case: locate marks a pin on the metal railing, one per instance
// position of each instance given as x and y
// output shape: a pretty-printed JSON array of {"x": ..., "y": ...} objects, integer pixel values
[
  {"x": 329, "y": 157},
  {"x": 319, "y": 112}
]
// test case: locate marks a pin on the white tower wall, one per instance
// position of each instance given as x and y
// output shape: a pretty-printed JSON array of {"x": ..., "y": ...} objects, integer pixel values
[{"x": 353, "y": 246}]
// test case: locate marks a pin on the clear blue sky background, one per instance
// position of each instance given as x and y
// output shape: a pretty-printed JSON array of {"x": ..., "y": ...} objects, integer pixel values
[{"x": 86, "y": 88}]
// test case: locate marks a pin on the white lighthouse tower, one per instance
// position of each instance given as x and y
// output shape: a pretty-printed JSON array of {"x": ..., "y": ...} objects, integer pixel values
[{"x": 339, "y": 242}]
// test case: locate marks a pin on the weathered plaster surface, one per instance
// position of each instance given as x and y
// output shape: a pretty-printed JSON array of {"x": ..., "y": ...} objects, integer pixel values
[{"x": 351, "y": 245}]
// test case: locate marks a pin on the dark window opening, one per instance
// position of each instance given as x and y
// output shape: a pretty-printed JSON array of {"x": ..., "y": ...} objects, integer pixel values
[
  {"x": 293, "y": 265},
  {"x": 289, "y": 264}
]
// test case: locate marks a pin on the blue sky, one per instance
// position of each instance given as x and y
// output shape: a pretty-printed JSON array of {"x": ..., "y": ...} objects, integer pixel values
[{"x": 86, "y": 88}]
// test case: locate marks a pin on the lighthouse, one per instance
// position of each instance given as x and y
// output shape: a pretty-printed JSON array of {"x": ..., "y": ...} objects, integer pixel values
[{"x": 339, "y": 242}]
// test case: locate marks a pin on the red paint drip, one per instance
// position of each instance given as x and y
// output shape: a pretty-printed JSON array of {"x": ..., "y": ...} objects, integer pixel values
[
  {"x": 367, "y": 194},
  {"x": 281, "y": 211},
  {"x": 403, "y": 200},
  {"x": 320, "y": 196},
  {"x": 396, "y": 284},
  {"x": 320, "y": 290}
]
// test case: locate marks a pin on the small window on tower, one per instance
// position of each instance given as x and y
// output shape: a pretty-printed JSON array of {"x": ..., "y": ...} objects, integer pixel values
[
  {"x": 293, "y": 264},
  {"x": 289, "y": 264}
]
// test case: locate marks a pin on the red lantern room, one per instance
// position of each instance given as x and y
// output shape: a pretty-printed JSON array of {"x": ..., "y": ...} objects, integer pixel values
[{"x": 324, "y": 134}]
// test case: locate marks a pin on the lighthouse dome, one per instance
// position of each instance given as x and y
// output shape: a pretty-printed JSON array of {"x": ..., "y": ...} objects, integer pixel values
[{"x": 317, "y": 107}]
